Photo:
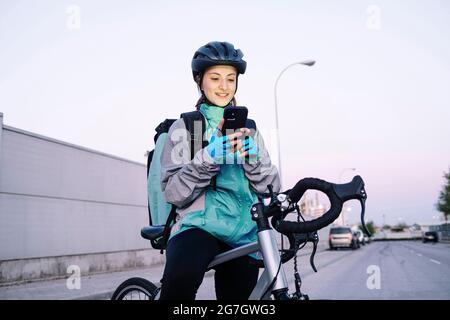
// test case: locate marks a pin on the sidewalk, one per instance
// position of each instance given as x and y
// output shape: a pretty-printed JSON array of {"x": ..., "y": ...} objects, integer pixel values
[
  {"x": 101, "y": 286},
  {"x": 92, "y": 287}
]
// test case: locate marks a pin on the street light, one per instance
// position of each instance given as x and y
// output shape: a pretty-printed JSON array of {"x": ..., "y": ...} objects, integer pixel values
[
  {"x": 308, "y": 63},
  {"x": 340, "y": 181},
  {"x": 348, "y": 209}
]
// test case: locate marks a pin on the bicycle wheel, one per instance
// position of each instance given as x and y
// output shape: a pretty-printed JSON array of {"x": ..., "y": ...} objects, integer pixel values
[{"x": 135, "y": 289}]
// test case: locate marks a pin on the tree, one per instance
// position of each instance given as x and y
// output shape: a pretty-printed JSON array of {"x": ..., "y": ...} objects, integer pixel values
[
  {"x": 443, "y": 204},
  {"x": 401, "y": 226}
]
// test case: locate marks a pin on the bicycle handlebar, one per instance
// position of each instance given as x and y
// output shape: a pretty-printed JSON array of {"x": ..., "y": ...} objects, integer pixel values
[{"x": 336, "y": 193}]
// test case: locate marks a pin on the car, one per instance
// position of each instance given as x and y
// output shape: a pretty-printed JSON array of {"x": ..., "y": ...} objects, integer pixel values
[
  {"x": 360, "y": 236},
  {"x": 431, "y": 236},
  {"x": 342, "y": 237}
]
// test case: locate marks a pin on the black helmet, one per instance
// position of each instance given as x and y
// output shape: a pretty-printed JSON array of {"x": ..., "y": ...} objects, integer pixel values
[{"x": 217, "y": 53}]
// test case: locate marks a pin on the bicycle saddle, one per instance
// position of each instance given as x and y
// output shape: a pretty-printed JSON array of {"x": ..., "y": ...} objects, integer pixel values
[{"x": 152, "y": 232}]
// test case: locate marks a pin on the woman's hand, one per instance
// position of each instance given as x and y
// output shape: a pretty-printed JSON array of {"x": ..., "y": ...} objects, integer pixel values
[
  {"x": 249, "y": 147},
  {"x": 220, "y": 147}
]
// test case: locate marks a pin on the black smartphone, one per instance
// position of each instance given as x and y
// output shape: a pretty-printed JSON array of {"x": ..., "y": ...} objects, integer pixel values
[{"x": 235, "y": 118}]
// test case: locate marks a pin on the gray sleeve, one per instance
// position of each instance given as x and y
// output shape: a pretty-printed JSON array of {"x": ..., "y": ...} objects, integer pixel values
[
  {"x": 183, "y": 179},
  {"x": 262, "y": 172}
]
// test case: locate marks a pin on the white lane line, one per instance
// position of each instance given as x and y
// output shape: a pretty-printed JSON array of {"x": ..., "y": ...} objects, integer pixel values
[
  {"x": 419, "y": 254},
  {"x": 435, "y": 261}
]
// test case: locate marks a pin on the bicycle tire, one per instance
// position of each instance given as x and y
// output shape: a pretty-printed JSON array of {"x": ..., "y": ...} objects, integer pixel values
[{"x": 140, "y": 285}]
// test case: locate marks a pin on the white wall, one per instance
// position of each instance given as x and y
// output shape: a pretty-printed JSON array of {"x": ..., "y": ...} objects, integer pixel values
[{"x": 61, "y": 199}]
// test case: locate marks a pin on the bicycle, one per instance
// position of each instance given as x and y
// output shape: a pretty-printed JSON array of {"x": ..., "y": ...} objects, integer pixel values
[{"x": 273, "y": 281}]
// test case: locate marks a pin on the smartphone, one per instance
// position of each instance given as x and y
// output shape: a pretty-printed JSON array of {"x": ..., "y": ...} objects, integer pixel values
[{"x": 235, "y": 118}]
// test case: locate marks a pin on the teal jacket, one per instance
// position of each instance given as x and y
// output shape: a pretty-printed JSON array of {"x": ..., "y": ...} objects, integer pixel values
[{"x": 225, "y": 211}]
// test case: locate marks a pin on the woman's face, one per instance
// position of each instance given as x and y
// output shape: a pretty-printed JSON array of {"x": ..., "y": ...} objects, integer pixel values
[{"x": 219, "y": 84}]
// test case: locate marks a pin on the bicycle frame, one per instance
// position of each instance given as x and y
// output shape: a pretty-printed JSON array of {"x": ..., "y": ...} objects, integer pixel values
[
  {"x": 273, "y": 280},
  {"x": 267, "y": 245}
]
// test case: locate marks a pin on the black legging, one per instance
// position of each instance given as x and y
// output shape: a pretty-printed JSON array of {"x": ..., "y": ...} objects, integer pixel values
[{"x": 187, "y": 258}]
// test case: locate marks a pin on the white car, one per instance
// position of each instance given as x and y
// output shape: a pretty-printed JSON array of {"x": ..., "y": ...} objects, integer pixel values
[
  {"x": 342, "y": 237},
  {"x": 361, "y": 237}
]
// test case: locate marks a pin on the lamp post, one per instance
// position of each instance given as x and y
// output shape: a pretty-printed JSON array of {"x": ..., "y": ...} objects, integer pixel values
[
  {"x": 340, "y": 181},
  {"x": 308, "y": 63}
]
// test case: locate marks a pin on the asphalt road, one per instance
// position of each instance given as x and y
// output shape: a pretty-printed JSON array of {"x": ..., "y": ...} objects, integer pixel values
[{"x": 379, "y": 270}]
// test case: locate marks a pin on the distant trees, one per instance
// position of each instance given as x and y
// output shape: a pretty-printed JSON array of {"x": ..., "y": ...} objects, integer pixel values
[
  {"x": 370, "y": 227},
  {"x": 443, "y": 204},
  {"x": 399, "y": 227}
]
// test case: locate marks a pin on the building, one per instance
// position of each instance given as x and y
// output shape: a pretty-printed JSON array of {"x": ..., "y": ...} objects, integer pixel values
[{"x": 311, "y": 207}]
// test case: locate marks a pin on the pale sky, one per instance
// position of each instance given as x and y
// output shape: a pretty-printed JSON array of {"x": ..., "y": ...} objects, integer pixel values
[{"x": 103, "y": 74}]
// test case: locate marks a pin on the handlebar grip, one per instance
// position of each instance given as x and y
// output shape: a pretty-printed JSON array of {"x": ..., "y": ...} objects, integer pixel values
[
  {"x": 295, "y": 195},
  {"x": 319, "y": 223},
  {"x": 336, "y": 193}
]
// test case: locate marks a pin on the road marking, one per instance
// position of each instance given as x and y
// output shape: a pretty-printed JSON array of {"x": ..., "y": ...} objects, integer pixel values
[
  {"x": 435, "y": 261},
  {"x": 419, "y": 254}
]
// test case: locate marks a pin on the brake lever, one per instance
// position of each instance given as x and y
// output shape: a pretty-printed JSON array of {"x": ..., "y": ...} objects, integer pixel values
[
  {"x": 354, "y": 190},
  {"x": 315, "y": 241},
  {"x": 309, "y": 237},
  {"x": 363, "y": 223}
]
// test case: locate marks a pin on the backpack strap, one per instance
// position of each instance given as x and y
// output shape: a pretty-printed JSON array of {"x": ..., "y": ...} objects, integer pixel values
[
  {"x": 163, "y": 127},
  {"x": 197, "y": 142},
  {"x": 191, "y": 121},
  {"x": 167, "y": 227}
]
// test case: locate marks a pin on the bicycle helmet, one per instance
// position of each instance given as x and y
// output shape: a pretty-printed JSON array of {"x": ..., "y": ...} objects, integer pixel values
[{"x": 217, "y": 53}]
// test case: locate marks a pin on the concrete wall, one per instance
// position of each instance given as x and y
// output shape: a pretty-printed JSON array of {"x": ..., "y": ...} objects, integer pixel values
[{"x": 59, "y": 199}]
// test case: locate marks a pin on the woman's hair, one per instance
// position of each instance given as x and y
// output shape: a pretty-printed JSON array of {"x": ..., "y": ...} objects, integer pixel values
[{"x": 203, "y": 98}]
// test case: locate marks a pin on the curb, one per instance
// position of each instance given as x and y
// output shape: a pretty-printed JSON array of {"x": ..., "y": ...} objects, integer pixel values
[{"x": 105, "y": 295}]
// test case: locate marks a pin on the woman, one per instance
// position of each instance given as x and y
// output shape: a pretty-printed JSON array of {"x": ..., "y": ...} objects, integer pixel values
[{"x": 213, "y": 220}]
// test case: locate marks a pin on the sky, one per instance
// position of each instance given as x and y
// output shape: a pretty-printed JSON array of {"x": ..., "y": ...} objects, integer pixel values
[{"x": 103, "y": 75}]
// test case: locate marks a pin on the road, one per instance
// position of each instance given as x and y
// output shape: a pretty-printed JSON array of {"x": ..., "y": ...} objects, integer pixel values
[{"x": 379, "y": 270}]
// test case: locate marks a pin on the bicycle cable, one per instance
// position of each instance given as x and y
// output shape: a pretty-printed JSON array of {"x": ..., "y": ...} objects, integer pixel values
[
  {"x": 273, "y": 281},
  {"x": 297, "y": 247},
  {"x": 298, "y": 280}
]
